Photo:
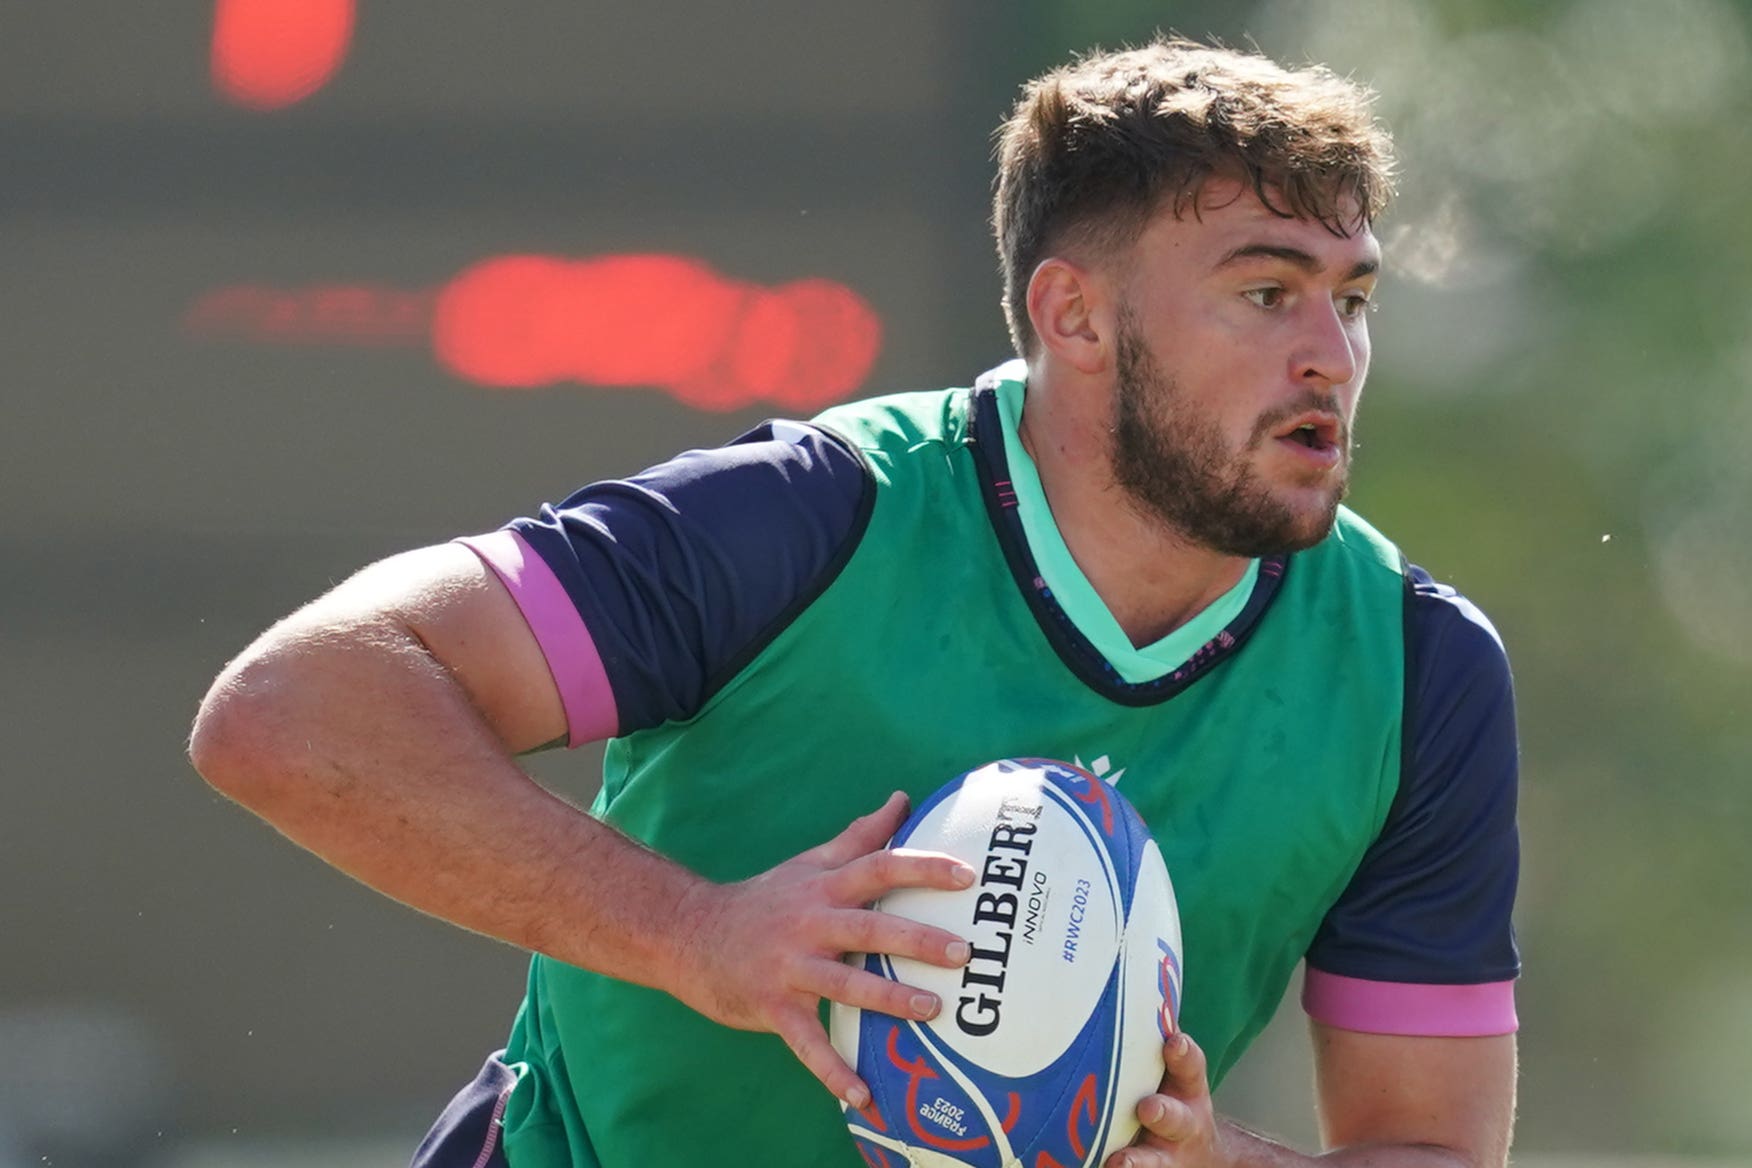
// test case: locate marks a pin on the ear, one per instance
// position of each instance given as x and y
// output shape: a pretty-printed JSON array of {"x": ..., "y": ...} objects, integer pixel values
[{"x": 1067, "y": 307}]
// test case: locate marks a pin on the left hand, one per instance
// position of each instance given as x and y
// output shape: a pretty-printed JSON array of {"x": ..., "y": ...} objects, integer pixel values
[{"x": 1180, "y": 1126}]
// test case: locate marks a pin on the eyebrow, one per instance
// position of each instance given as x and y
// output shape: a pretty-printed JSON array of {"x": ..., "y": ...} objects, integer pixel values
[{"x": 1295, "y": 257}]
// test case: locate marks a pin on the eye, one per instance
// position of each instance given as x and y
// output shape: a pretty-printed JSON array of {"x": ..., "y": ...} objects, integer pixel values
[
  {"x": 1268, "y": 297},
  {"x": 1354, "y": 304}
]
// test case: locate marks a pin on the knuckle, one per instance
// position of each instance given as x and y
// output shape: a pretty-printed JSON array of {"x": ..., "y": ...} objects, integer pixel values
[
  {"x": 805, "y": 923},
  {"x": 786, "y": 1024},
  {"x": 865, "y": 932},
  {"x": 884, "y": 867},
  {"x": 904, "y": 865},
  {"x": 838, "y": 981},
  {"x": 870, "y": 931}
]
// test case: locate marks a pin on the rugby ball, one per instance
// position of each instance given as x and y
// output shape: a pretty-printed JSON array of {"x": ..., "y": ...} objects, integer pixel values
[{"x": 1053, "y": 1032}]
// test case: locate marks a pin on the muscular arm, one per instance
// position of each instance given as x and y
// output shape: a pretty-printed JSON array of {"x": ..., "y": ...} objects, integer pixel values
[
  {"x": 1385, "y": 1101},
  {"x": 1452, "y": 1100},
  {"x": 377, "y": 728}
]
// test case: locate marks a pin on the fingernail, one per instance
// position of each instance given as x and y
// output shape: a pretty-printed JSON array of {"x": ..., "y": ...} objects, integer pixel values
[
  {"x": 1151, "y": 1109},
  {"x": 924, "y": 1005},
  {"x": 857, "y": 1098},
  {"x": 958, "y": 952},
  {"x": 963, "y": 875}
]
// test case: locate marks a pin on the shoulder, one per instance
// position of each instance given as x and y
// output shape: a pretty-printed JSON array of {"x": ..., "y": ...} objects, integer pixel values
[
  {"x": 901, "y": 423},
  {"x": 663, "y": 583},
  {"x": 779, "y": 482},
  {"x": 1355, "y": 543},
  {"x": 1454, "y": 656},
  {"x": 779, "y": 461}
]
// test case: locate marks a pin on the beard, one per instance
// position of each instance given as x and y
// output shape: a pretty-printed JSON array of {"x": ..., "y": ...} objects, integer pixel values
[{"x": 1175, "y": 467}]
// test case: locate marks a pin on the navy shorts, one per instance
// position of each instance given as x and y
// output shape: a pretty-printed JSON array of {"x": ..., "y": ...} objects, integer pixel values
[{"x": 467, "y": 1134}]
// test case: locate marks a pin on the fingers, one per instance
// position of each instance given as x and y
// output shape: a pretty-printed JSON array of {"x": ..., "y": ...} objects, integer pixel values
[
  {"x": 1168, "y": 1119},
  {"x": 865, "y": 834},
  {"x": 1179, "y": 1124},
  {"x": 870, "y": 877},
  {"x": 1174, "y": 1127},
  {"x": 802, "y": 1032},
  {"x": 869, "y": 931},
  {"x": 852, "y": 986},
  {"x": 1185, "y": 1064}
]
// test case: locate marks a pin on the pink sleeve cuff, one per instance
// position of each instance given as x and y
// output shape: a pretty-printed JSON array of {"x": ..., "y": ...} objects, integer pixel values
[
  {"x": 571, "y": 653},
  {"x": 1428, "y": 1011}
]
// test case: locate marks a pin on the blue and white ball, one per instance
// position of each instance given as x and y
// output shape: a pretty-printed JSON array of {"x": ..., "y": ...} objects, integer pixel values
[{"x": 1053, "y": 1032}]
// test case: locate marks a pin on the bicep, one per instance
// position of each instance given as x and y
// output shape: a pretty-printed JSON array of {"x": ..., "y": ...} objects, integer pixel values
[
  {"x": 453, "y": 604},
  {"x": 1452, "y": 1093}
]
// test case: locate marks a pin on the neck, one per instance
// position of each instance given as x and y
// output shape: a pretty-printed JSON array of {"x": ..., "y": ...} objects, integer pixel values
[{"x": 1150, "y": 577}]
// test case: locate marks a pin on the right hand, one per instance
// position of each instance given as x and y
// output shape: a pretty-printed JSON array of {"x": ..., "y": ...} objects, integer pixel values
[{"x": 761, "y": 954}]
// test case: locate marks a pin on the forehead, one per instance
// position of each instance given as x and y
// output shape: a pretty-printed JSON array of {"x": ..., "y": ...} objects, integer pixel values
[{"x": 1229, "y": 215}]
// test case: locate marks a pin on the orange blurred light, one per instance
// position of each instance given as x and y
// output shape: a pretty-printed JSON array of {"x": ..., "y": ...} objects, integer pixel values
[{"x": 269, "y": 54}]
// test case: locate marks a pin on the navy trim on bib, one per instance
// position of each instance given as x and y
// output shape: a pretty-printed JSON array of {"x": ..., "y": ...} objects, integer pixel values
[{"x": 1072, "y": 647}]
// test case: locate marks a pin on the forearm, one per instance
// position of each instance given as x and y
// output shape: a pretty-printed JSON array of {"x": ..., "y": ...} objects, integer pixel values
[
  {"x": 1246, "y": 1149},
  {"x": 358, "y": 745},
  {"x": 377, "y": 727},
  {"x": 1385, "y": 1102}
]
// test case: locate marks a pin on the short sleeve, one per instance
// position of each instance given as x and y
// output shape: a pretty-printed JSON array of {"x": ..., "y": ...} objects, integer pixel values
[
  {"x": 647, "y": 594},
  {"x": 1421, "y": 941}
]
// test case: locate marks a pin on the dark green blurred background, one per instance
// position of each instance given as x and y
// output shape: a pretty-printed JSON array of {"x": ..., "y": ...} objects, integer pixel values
[{"x": 1556, "y": 423}]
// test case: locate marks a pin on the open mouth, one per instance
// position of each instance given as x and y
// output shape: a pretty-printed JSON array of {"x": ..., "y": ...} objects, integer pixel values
[{"x": 1320, "y": 434}]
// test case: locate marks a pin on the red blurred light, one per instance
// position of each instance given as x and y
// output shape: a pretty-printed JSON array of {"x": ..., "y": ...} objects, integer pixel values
[
  {"x": 518, "y": 322},
  {"x": 323, "y": 314},
  {"x": 488, "y": 325},
  {"x": 763, "y": 349},
  {"x": 269, "y": 54},
  {"x": 532, "y": 321},
  {"x": 840, "y": 339}
]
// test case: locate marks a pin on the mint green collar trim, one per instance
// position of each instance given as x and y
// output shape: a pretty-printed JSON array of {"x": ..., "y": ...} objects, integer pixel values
[{"x": 1075, "y": 595}]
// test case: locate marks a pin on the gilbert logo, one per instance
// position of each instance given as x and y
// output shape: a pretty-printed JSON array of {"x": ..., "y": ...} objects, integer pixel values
[{"x": 1013, "y": 833}]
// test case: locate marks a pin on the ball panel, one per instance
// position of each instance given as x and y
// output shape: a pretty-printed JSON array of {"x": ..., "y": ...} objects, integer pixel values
[{"x": 924, "y": 1105}]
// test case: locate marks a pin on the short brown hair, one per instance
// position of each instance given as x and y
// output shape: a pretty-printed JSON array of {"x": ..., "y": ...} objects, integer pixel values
[{"x": 1095, "y": 147}]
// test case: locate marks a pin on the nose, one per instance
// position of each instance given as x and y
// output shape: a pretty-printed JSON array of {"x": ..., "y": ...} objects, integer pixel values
[{"x": 1333, "y": 349}]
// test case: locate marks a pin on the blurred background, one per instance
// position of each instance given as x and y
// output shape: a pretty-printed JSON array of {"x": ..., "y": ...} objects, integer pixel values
[{"x": 289, "y": 285}]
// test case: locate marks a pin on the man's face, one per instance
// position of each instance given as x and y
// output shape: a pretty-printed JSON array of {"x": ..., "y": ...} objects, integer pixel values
[{"x": 1241, "y": 347}]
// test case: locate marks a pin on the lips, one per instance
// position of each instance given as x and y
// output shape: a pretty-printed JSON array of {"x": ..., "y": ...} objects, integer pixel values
[
  {"x": 1315, "y": 430},
  {"x": 1314, "y": 437}
]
